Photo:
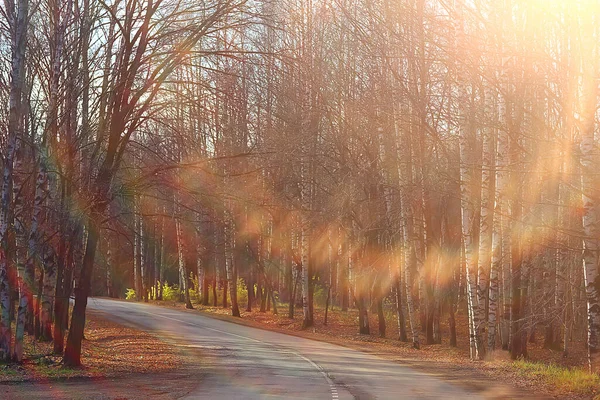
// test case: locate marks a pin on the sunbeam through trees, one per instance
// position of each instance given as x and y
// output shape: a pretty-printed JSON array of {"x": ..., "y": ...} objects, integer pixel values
[{"x": 416, "y": 160}]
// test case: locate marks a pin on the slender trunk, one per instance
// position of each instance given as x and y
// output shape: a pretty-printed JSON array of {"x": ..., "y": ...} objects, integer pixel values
[
  {"x": 161, "y": 279},
  {"x": 214, "y": 289},
  {"x": 486, "y": 229},
  {"x": 589, "y": 160},
  {"x": 408, "y": 266},
  {"x": 305, "y": 254},
  {"x": 467, "y": 148},
  {"x": 15, "y": 115},
  {"x": 500, "y": 237},
  {"x": 344, "y": 275},
  {"x": 250, "y": 284},
  {"x": 38, "y": 307},
  {"x": 48, "y": 258},
  {"x": 399, "y": 310},
  {"x": 493, "y": 292},
  {"x": 109, "y": 267},
  {"x": 72, "y": 355},
  {"x": 24, "y": 268},
  {"x": 272, "y": 301},
  {"x": 230, "y": 266},
  {"x": 181, "y": 260},
  {"x": 137, "y": 250}
]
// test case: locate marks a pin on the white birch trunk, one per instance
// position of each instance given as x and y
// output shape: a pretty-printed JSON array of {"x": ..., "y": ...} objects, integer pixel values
[
  {"x": 18, "y": 39},
  {"x": 229, "y": 266},
  {"x": 467, "y": 143},
  {"x": 34, "y": 238},
  {"x": 24, "y": 279},
  {"x": 495, "y": 267},
  {"x": 409, "y": 264},
  {"x": 181, "y": 258},
  {"x": 305, "y": 243},
  {"x": 500, "y": 238},
  {"x": 486, "y": 223}
]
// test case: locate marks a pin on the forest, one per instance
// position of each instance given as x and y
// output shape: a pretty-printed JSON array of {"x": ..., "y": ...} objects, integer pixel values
[{"x": 411, "y": 159}]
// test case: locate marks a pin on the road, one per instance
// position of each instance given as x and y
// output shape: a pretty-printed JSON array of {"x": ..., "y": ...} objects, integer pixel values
[{"x": 242, "y": 362}]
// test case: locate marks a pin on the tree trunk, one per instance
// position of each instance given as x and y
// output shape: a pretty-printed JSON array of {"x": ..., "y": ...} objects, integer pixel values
[
  {"x": 590, "y": 183},
  {"x": 486, "y": 222},
  {"x": 399, "y": 310},
  {"x": 307, "y": 320},
  {"x": 230, "y": 267},
  {"x": 137, "y": 250},
  {"x": 181, "y": 261},
  {"x": 467, "y": 149},
  {"x": 15, "y": 115},
  {"x": 72, "y": 355}
]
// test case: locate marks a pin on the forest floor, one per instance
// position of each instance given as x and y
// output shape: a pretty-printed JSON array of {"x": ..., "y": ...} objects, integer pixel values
[
  {"x": 546, "y": 372},
  {"x": 117, "y": 361}
]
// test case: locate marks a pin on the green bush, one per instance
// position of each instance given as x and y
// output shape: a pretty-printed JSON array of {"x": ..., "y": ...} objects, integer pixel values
[
  {"x": 130, "y": 294},
  {"x": 242, "y": 293},
  {"x": 170, "y": 292},
  {"x": 320, "y": 295}
]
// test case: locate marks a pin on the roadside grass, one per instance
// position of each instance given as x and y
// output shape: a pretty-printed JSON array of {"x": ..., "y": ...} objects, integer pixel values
[{"x": 563, "y": 379}]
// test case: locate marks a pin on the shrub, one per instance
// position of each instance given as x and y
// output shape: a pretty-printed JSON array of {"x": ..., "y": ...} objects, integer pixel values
[
  {"x": 320, "y": 295},
  {"x": 130, "y": 294},
  {"x": 242, "y": 293},
  {"x": 170, "y": 292}
]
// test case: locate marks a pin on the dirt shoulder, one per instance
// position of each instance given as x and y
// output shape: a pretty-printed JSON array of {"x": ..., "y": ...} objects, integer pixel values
[
  {"x": 117, "y": 361},
  {"x": 496, "y": 378}
]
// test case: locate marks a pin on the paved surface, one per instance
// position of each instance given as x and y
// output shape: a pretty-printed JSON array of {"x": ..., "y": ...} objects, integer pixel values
[{"x": 240, "y": 362}]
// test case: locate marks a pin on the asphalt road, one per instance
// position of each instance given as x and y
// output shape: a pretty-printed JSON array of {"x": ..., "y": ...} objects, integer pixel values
[{"x": 241, "y": 362}]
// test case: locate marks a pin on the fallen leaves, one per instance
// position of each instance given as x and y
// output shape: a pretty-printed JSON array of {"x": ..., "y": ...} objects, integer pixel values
[{"x": 109, "y": 350}]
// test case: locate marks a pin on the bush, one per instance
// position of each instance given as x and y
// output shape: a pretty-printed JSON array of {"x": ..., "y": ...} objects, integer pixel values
[
  {"x": 170, "y": 292},
  {"x": 130, "y": 294},
  {"x": 320, "y": 295},
  {"x": 242, "y": 293}
]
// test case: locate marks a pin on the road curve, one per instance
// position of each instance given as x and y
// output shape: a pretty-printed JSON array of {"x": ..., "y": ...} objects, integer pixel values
[{"x": 242, "y": 362}]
